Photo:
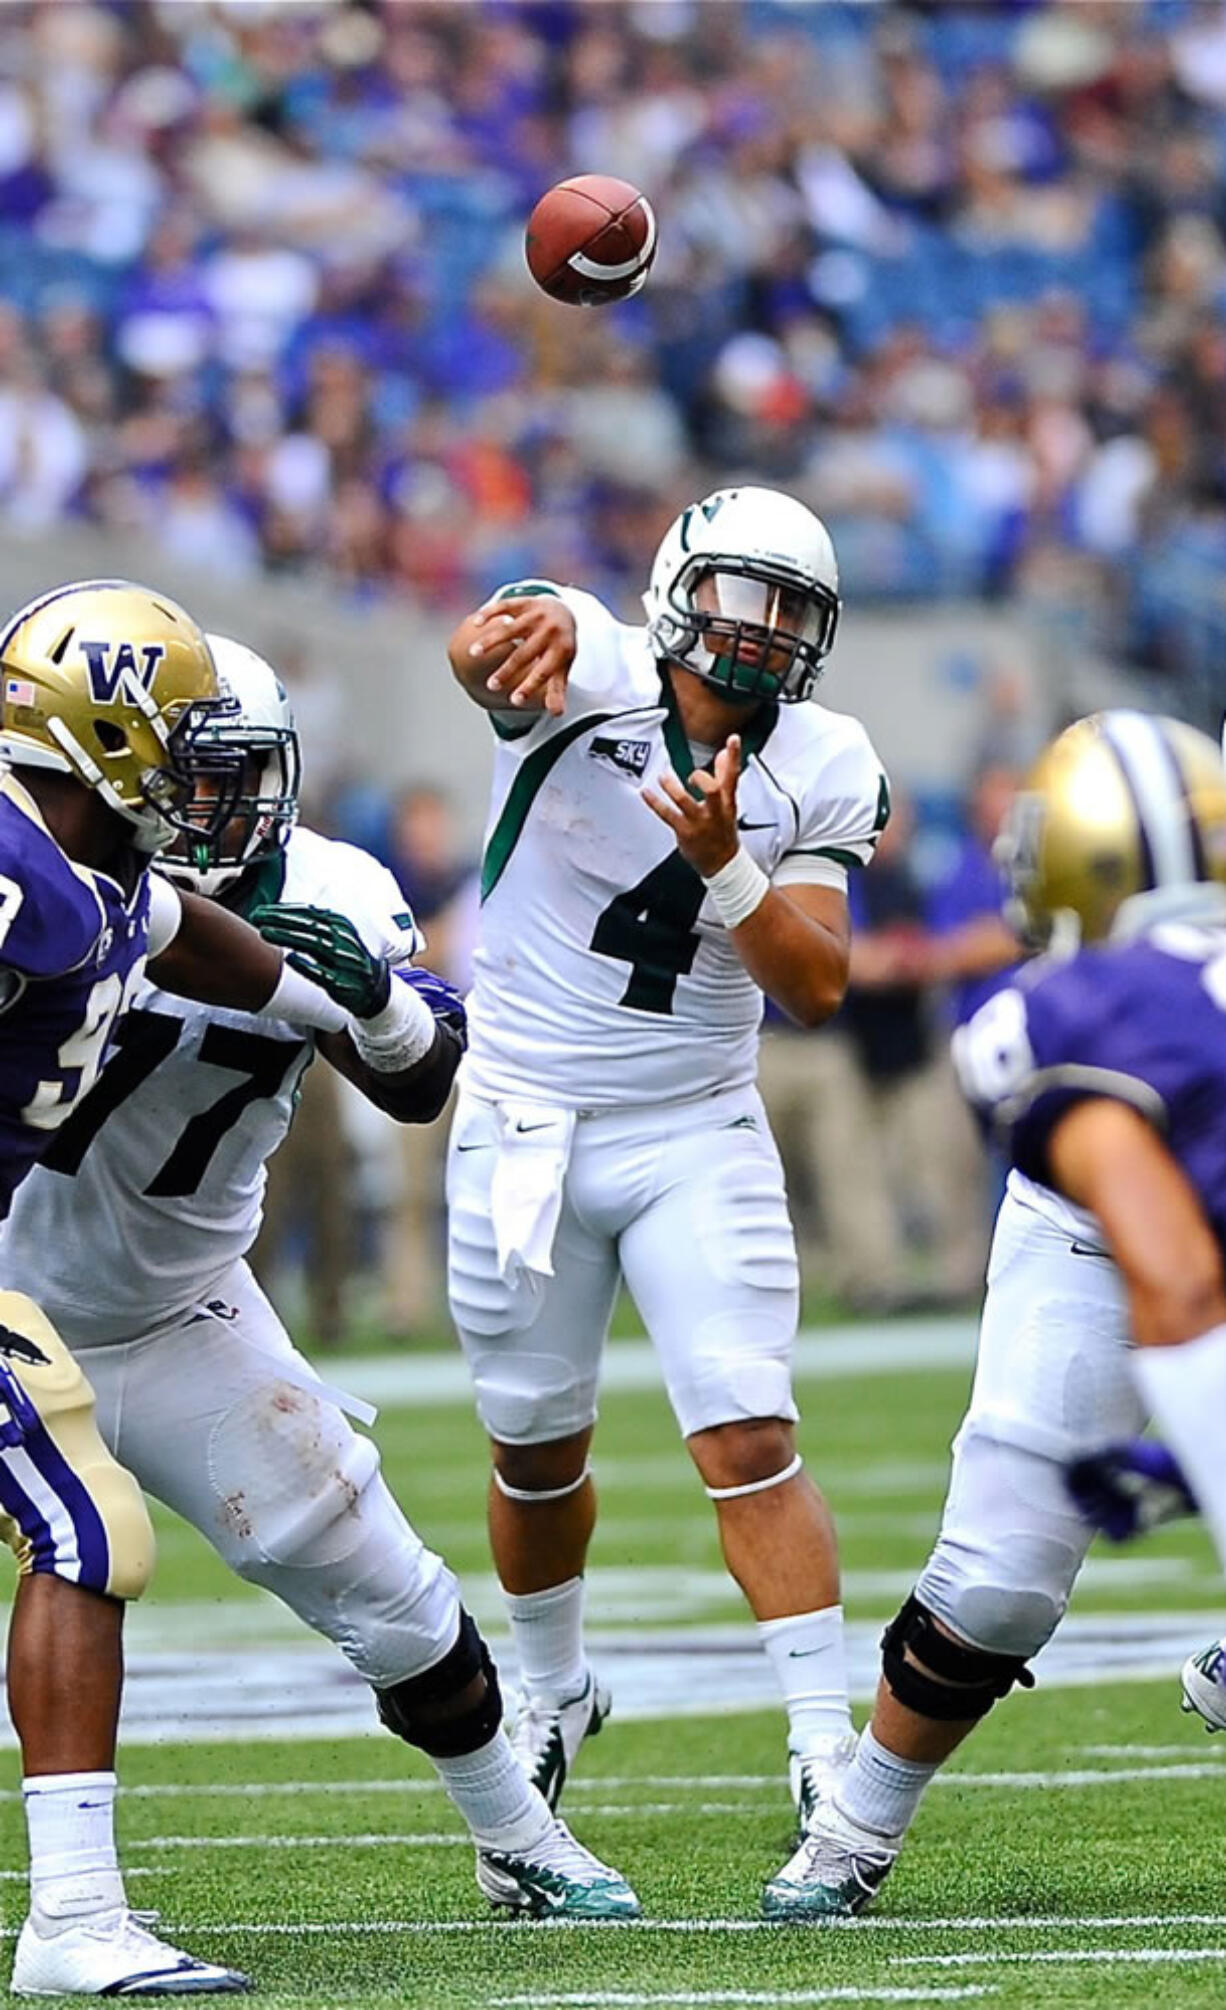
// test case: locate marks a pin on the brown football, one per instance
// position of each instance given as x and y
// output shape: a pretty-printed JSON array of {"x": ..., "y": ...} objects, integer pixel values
[{"x": 591, "y": 240}]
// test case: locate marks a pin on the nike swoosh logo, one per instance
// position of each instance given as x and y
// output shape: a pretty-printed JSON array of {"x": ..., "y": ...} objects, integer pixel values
[
  {"x": 804, "y": 1653},
  {"x": 743, "y": 824},
  {"x": 480, "y": 1146},
  {"x": 522, "y": 1130},
  {"x": 1084, "y": 1249}
]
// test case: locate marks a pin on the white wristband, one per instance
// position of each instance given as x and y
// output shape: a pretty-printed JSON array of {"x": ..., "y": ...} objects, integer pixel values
[
  {"x": 397, "y": 1037},
  {"x": 738, "y": 888},
  {"x": 304, "y": 1004}
]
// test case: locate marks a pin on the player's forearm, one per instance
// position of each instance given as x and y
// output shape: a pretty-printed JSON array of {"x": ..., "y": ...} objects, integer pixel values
[
  {"x": 415, "y": 1095},
  {"x": 219, "y": 959},
  {"x": 800, "y": 963},
  {"x": 1107, "y": 1158}
]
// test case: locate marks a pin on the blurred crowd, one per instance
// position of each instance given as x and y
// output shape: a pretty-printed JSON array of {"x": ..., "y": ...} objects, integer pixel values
[{"x": 954, "y": 273}]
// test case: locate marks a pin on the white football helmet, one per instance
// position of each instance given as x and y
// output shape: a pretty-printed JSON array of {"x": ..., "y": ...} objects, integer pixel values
[
  {"x": 262, "y": 731},
  {"x": 744, "y": 592}
]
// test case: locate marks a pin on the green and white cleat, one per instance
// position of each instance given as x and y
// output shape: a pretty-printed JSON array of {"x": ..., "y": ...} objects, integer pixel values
[
  {"x": 834, "y": 1873},
  {"x": 547, "y": 1735},
  {"x": 813, "y": 1776},
  {"x": 1203, "y": 1678},
  {"x": 556, "y": 1878}
]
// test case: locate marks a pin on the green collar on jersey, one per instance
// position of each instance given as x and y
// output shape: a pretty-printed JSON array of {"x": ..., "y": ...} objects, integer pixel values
[
  {"x": 754, "y": 734},
  {"x": 261, "y": 886}
]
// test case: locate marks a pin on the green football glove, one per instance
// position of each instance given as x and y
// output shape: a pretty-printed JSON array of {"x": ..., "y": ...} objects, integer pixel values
[{"x": 327, "y": 948}]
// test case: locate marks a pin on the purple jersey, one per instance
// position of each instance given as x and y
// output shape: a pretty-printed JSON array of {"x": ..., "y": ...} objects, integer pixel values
[
  {"x": 1143, "y": 1022},
  {"x": 72, "y": 948}
]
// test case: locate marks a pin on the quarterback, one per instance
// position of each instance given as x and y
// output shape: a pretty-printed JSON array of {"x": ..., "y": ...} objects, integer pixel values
[
  {"x": 109, "y": 705},
  {"x": 1104, "y": 1068},
  {"x": 136, "y": 1226},
  {"x": 670, "y": 836}
]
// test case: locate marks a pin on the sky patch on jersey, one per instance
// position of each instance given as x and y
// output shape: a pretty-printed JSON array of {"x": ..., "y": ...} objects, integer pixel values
[{"x": 630, "y": 757}]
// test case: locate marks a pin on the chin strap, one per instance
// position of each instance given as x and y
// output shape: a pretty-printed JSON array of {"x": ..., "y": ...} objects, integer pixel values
[{"x": 757, "y": 1486}]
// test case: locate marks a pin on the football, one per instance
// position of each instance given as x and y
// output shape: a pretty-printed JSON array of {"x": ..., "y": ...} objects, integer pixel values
[{"x": 591, "y": 240}]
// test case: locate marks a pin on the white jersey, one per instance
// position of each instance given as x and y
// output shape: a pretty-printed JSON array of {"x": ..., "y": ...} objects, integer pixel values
[
  {"x": 153, "y": 1188},
  {"x": 603, "y": 975}
]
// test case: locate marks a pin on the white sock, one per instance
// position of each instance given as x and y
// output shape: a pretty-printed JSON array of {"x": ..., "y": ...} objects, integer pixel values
[
  {"x": 71, "y": 1822},
  {"x": 1185, "y": 1389},
  {"x": 879, "y": 1790},
  {"x": 806, "y": 1653},
  {"x": 547, "y": 1628},
  {"x": 495, "y": 1796}
]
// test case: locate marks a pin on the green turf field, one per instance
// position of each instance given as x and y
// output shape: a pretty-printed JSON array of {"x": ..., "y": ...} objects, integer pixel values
[{"x": 1072, "y": 1856}]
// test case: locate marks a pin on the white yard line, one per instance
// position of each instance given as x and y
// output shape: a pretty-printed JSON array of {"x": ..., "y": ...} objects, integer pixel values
[
  {"x": 587, "y": 1790},
  {"x": 595, "y": 1999},
  {"x": 1208, "y": 1750},
  {"x": 1078, "y": 1954},
  {"x": 421, "y": 1927},
  {"x": 447, "y": 1840},
  {"x": 622, "y": 1783},
  {"x": 1086, "y": 1776},
  {"x": 1126, "y": 1923},
  {"x": 905, "y": 1346}
]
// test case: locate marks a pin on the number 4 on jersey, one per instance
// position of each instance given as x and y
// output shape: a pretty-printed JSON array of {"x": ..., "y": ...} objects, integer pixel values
[{"x": 651, "y": 927}]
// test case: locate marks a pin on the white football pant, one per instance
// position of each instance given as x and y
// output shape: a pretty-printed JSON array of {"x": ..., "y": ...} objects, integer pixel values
[
  {"x": 1051, "y": 1383},
  {"x": 276, "y": 1478},
  {"x": 685, "y": 1201}
]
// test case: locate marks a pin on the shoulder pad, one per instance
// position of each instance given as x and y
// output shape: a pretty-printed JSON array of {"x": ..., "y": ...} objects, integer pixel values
[{"x": 50, "y": 917}]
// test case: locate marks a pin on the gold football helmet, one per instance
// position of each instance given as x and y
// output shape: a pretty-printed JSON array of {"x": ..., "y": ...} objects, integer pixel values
[
  {"x": 114, "y": 685},
  {"x": 1121, "y": 807}
]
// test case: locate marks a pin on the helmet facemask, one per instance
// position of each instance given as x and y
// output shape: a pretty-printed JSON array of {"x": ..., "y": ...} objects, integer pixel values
[
  {"x": 756, "y": 629},
  {"x": 216, "y": 851}
]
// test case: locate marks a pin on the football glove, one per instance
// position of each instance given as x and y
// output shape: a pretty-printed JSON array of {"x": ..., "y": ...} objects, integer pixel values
[
  {"x": 443, "y": 999},
  {"x": 18, "y": 1417},
  {"x": 326, "y": 947},
  {"x": 1125, "y": 1490}
]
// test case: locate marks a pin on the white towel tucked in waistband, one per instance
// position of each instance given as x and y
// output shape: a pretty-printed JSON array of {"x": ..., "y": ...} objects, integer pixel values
[{"x": 534, "y": 1141}]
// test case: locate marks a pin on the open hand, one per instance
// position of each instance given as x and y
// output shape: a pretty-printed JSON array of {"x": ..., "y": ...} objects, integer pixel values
[
  {"x": 704, "y": 825},
  {"x": 326, "y": 947}
]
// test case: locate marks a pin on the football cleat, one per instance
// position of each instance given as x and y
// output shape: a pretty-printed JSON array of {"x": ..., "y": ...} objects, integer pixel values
[
  {"x": 836, "y": 1870},
  {"x": 112, "y": 1954},
  {"x": 555, "y": 1879},
  {"x": 813, "y": 1776},
  {"x": 1203, "y": 1678},
  {"x": 547, "y": 1735}
]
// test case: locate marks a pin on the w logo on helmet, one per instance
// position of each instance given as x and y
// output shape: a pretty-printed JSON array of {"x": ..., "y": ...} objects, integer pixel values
[{"x": 112, "y": 664}]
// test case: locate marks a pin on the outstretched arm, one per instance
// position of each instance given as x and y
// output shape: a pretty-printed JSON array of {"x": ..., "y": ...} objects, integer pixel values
[
  {"x": 407, "y": 1029},
  {"x": 1106, "y": 1157},
  {"x": 217, "y": 958}
]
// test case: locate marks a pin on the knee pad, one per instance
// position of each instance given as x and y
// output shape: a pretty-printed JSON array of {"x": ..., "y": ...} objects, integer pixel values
[
  {"x": 400, "y": 1708},
  {"x": 970, "y": 1680},
  {"x": 289, "y": 1475},
  {"x": 67, "y": 1508}
]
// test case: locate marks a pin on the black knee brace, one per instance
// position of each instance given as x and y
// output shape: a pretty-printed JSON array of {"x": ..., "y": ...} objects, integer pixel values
[
  {"x": 980, "y": 1678},
  {"x": 400, "y": 1708}
]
